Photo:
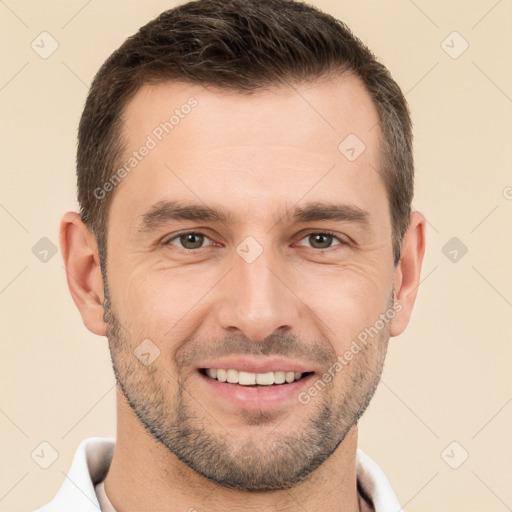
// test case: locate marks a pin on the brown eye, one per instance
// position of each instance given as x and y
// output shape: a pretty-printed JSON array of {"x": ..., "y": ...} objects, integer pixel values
[
  {"x": 190, "y": 240},
  {"x": 322, "y": 240}
]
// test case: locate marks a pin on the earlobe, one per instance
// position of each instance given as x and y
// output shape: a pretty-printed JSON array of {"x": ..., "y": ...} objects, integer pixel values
[
  {"x": 407, "y": 274},
  {"x": 83, "y": 272}
]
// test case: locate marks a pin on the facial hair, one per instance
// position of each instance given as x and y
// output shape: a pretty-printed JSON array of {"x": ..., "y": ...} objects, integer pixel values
[{"x": 280, "y": 460}]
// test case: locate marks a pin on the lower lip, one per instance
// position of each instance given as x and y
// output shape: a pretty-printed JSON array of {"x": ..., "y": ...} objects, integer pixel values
[{"x": 252, "y": 397}]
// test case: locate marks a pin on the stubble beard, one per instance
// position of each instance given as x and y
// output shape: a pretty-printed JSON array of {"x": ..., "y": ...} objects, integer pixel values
[{"x": 277, "y": 461}]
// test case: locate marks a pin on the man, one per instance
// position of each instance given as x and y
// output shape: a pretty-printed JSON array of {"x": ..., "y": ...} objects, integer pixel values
[{"x": 246, "y": 243}]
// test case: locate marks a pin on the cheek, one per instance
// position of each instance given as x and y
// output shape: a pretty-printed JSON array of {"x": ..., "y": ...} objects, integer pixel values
[
  {"x": 161, "y": 303},
  {"x": 347, "y": 299}
]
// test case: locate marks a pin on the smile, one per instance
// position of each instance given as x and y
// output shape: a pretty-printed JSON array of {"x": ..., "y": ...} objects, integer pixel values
[{"x": 232, "y": 376}]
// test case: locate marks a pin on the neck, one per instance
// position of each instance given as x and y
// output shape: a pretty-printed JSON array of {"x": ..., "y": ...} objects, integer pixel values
[{"x": 144, "y": 475}]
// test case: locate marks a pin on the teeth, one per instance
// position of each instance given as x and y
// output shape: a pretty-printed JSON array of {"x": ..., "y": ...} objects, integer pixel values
[
  {"x": 265, "y": 379},
  {"x": 279, "y": 377},
  {"x": 232, "y": 376},
  {"x": 250, "y": 379},
  {"x": 246, "y": 378}
]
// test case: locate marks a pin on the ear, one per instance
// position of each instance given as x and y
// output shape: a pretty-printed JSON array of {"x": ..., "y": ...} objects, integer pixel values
[
  {"x": 408, "y": 270},
  {"x": 83, "y": 272}
]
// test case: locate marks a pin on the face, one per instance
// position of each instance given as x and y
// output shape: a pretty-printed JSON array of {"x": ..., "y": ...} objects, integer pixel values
[{"x": 245, "y": 245}]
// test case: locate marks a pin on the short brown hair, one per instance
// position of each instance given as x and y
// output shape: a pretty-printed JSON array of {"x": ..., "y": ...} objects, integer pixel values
[{"x": 244, "y": 46}]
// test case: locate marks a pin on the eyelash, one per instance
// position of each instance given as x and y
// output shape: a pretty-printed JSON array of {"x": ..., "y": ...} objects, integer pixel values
[{"x": 199, "y": 232}]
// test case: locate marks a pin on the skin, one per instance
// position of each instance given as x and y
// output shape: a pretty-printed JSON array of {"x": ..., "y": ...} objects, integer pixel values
[{"x": 257, "y": 157}]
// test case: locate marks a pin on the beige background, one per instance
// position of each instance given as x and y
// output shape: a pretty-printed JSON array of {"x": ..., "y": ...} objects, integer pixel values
[{"x": 446, "y": 379}]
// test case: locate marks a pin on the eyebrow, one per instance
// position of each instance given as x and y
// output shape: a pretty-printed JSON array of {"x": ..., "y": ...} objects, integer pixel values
[{"x": 165, "y": 211}]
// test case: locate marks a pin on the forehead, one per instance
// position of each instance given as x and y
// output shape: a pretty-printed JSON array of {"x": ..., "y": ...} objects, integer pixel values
[
  {"x": 281, "y": 114},
  {"x": 210, "y": 144}
]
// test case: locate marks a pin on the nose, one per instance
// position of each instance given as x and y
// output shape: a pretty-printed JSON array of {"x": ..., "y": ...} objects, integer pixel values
[{"x": 256, "y": 298}]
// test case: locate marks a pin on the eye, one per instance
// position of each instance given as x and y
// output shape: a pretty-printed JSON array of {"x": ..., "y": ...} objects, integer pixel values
[
  {"x": 323, "y": 240},
  {"x": 189, "y": 240},
  {"x": 192, "y": 240}
]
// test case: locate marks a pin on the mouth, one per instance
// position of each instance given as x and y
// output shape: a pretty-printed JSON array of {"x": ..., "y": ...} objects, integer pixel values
[
  {"x": 254, "y": 384},
  {"x": 254, "y": 391},
  {"x": 250, "y": 379}
]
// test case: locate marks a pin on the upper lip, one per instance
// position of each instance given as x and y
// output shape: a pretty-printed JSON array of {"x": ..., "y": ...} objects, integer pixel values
[{"x": 260, "y": 365}]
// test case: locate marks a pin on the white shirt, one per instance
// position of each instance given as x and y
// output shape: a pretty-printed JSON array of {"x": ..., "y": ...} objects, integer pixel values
[{"x": 82, "y": 490}]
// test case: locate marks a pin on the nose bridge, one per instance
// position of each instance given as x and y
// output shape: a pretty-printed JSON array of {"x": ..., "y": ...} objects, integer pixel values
[{"x": 255, "y": 299}]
